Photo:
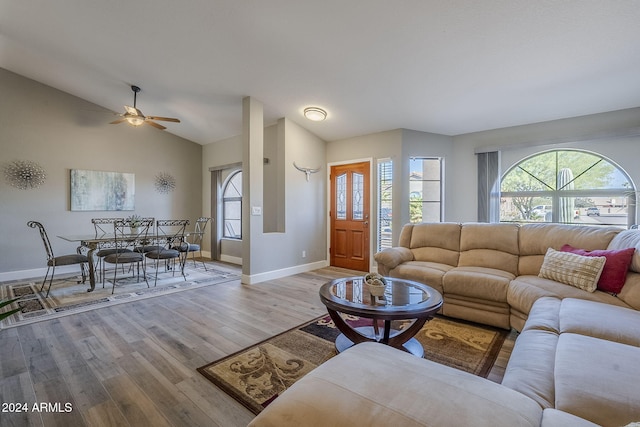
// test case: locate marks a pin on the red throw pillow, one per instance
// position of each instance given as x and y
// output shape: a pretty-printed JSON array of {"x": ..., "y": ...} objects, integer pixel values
[{"x": 615, "y": 269}]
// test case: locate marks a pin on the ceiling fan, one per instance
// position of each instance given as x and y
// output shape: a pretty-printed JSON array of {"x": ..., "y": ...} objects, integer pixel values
[{"x": 134, "y": 117}]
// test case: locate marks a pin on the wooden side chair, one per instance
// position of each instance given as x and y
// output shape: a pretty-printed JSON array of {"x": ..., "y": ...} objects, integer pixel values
[{"x": 54, "y": 261}]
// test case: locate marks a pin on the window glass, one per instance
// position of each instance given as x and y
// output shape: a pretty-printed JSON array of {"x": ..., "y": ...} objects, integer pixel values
[
  {"x": 232, "y": 207},
  {"x": 425, "y": 189},
  {"x": 567, "y": 186},
  {"x": 385, "y": 203}
]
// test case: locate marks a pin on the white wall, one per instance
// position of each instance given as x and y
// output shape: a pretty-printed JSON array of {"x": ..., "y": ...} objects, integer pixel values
[{"x": 62, "y": 132}]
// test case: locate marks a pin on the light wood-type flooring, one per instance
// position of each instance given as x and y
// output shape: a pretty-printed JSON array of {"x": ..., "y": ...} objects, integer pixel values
[{"x": 135, "y": 364}]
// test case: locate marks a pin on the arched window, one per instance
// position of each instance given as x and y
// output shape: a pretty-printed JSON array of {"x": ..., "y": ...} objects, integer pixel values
[
  {"x": 232, "y": 206},
  {"x": 567, "y": 186}
]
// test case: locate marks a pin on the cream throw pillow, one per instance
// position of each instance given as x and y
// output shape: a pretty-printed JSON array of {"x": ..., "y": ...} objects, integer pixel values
[
  {"x": 628, "y": 239},
  {"x": 576, "y": 270}
]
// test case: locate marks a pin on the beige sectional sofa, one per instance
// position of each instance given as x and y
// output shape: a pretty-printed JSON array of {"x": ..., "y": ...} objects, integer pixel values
[
  {"x": 575, "y": 361},
  {"x": 488, "y": 273}
]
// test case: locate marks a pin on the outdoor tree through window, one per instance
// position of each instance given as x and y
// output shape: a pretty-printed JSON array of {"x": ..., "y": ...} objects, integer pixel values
[{"x": 567, "y": 186}]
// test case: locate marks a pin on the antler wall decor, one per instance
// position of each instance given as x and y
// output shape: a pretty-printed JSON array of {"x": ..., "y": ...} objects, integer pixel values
[{"x": 307, "y": 171}]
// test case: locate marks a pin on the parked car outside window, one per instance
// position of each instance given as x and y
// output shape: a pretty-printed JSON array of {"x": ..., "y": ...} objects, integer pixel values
[{"x": 593, "y": 211}]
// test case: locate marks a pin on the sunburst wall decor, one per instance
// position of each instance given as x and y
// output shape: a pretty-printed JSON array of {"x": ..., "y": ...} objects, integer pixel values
[
  {"x": 165, "y": 183},
  {"x": 24, "y": 174}
]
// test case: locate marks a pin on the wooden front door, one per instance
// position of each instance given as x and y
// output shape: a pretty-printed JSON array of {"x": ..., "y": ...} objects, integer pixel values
[{"x": 350, "y": 216}]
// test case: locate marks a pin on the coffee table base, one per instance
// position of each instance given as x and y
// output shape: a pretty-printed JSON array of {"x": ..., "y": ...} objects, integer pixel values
[{"x": 412, "y": 346}]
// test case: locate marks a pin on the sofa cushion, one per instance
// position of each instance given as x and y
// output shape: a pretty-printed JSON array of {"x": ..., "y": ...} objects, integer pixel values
[
  {"x": 535, "y": 239},
  {"x": 615, "y": 269},
  {"x": 429, "y": 273},
  {"x": 630, "y": 293},
  {"x": 611, "y": 323},
  {"x": 524, "y": 291},
  {"x": 478, "y": 282},
  {"x": 554, "y": 418},
  {"x": 597, "y": 379},
  {"x": 436, "y": 242},
  {"x": 530, "y": 370},
  {"x": 492, "y": 246},
  {"x": 576, "y": 270},
  {"x": 372, "y": 384},
  {"x": 545, "y": 315},
  {"x": 628, "y": 239}
]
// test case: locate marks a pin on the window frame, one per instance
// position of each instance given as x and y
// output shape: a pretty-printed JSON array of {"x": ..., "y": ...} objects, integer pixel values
[
  {"x": 440, "y": 182},
  {"x": 225, "y": 199},
  {"x": 555, "y": 195}
]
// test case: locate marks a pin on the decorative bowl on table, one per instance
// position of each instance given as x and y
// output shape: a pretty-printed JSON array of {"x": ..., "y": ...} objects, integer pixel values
[{"x": 376, "y": 284}]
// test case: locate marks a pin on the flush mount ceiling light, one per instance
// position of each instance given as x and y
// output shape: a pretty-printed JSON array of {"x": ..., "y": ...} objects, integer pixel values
[{"x": 314, "y": 113}]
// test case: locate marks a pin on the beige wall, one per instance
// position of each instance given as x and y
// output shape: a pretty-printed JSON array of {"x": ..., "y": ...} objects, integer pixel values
[
  {"x": 300, "y": 205},
  {"x": 398, "y": 145},
  {"x": 62, "y": 132},
  {"x": 224, "y": 152},
  {"x": 615, "y": 135}
]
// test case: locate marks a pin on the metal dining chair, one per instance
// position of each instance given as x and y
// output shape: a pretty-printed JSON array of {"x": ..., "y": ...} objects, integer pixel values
[
  {"x": 193, "y": 241},
  {"x": 104, "y": 227},
  {"x": 54, "y": 261},
  {"x": 169, "y": 235},
  {"x": 126, "y": 241}
]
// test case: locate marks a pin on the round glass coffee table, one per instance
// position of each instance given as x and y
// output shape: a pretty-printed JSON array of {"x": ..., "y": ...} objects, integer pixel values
[{"x": 402, "y": 300}]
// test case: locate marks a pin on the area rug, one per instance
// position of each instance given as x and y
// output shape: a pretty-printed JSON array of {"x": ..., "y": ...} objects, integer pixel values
[
  {"x": 68, "y": 295},
  {"x": 259, "y": 374}
]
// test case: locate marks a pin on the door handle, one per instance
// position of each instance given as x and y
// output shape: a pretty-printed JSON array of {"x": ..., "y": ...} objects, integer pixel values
[{"x": 366, "y": 223}]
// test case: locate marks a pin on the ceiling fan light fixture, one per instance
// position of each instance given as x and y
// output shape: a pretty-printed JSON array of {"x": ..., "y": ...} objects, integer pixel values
[
  {"x": 135, "y": 120},
  {"x": 315, "y": 114}
]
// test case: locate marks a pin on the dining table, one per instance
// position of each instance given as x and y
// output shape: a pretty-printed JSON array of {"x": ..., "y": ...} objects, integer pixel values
[{"x": 93, "y": 242}]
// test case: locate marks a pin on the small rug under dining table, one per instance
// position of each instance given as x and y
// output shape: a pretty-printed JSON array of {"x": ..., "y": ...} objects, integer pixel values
[{"x": 257, "y": 375}]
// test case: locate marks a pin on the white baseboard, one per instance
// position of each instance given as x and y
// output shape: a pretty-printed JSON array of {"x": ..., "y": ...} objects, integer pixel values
[
  {"x": 276, "y": 274},
  {"x": 37, "y": 273},
  {"x": 231, "y": 259}
]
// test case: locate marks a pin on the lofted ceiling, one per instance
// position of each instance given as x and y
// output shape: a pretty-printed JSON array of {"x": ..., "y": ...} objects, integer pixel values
[{"x": 441, "y": 66}]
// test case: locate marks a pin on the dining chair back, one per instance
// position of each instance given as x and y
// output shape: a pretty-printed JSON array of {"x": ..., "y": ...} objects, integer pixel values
[
  {"x": 193, "y": 240},
  {"x": 54, "y": 261},
  {"x": 104, "y": 227},
  {"x": 169, "y": 234},
  {"x": 127, "y": 236}
]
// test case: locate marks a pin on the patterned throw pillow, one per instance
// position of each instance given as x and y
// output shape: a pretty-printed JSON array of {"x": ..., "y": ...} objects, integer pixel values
[{"x": 576, "y": 270}]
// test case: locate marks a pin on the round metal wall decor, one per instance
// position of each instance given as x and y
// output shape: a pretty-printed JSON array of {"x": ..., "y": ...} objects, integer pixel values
[
  {"x": 165, "y": 183},
  {"x": 24, "y": 174}
]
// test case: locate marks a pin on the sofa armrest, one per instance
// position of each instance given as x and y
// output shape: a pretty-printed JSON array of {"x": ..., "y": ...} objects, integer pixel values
[{"x": 390, "y": 258}]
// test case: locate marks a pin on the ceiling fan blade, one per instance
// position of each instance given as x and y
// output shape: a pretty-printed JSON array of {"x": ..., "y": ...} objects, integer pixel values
[
  {"x": 166, "y": 119},
  {"x": 115, "y": 122},
  {"x": 133, "y": 111},
  {"x": 154, "y": 124}
]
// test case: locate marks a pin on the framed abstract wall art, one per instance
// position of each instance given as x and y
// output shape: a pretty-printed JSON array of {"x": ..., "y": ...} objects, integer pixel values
[{"x": 102, "y": 191}]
